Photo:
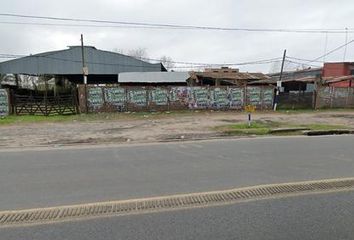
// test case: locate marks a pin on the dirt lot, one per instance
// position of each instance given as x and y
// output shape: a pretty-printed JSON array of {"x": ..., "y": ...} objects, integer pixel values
[{"x": 149, "y": 127}]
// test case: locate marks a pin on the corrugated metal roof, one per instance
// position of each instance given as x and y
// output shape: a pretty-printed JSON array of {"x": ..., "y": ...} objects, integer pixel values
[
  {"x": 274, "y": 80},
  {"x": 68, "y": 61},
  {"x": 311, "y": 72},
  {"x": 153, "y": 77},
  {"x": 230, "y": 75}
]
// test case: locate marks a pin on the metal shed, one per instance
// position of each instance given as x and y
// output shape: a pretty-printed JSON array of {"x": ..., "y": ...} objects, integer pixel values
[
  {"x": 103, "y": 66},
  {"x": 154, "y": 78}
]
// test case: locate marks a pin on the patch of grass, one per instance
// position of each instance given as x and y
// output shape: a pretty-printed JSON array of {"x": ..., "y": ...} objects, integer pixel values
[
  {"x": 33, "y": 118},
  {"x": 13, "y": 119},
  {"x": 256, "y": 128},
  {"x": 307, "y": 110},
  {"x": 265, "y": 127},
  {"x": 323, "y": 126}
]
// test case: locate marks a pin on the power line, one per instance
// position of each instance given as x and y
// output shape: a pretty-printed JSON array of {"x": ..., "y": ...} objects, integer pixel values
[
  {"x": 324, "y": 55},
  {"x": 301, "y": 63},
  {"x": 303, "y": 60},
  {"x": 77, "y": 25},
  {"x": 176, "y": 26},
  {"x": 332, "y": 51},
  {"x": 214, "y": 64}
]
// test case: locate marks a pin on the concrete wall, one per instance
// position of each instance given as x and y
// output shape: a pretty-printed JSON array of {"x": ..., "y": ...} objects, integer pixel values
[
  {"x": 114, "y": 98},
  {"x": 335, "y": 97},
  {"x": 4, "y": 103}
]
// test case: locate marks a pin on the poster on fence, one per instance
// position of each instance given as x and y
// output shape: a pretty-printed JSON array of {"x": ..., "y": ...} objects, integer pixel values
[
  {"x": 219, "y": 98},
  {"x": 325, "y": 95},
  {"x": 4, "y": 103},
  {"x": 236, "y": 97},
  {"x": 268, "y": 96},
  {"x": 179, "y": 94},
  {"x": 254, "y": 96},
  {"x": 95, "y": 97},
  {"x": 198, "y": 98},
  {"x": 115, "y": 96},
  {"x": 158, "y": 96},
  {"x": 138, "y": 97}
]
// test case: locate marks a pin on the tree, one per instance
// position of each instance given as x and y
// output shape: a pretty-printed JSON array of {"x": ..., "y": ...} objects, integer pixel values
[
  {"x": 138, "y": 53},
  {"x": 167, "y": 62},
  {"x": 118, "y": 50}
]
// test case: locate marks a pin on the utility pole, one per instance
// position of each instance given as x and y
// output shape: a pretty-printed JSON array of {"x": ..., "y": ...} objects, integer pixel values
[
  {"x": 279, "y": 85},
  {"x": 84, "y": 71},
  {"x": 346, "y": 44},
  {"x": 84, "y": 68},
  {"x": 325, "y": 48}
]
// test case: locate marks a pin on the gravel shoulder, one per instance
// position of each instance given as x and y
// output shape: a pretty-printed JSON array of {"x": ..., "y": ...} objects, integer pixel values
[{"x": 150, "y": 127}]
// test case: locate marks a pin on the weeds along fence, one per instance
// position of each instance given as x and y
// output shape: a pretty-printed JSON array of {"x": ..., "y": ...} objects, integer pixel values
[{"x": 113, "y": 98}]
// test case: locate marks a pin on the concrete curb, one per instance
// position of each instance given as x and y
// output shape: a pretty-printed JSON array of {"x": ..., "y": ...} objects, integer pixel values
[{"x": 328, "y": 132}]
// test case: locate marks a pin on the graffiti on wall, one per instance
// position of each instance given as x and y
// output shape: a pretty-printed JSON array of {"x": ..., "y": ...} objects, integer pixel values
[
  {"x": 254, "y": 96},
  {"x": 115, "y": 96},
  {"x": 236, "y": 96},
  {"x": 341, "y": 93},
  {"x": 138, "y": 97},
  {"x": 4, "y": 103},
  {"x": 219, "y": 98},
  {"x": 95, "y": 97},
  {"x": 159, "y": 96},
  {"x": 268, "y": 96},
  {"x": 198, "y": 97},
  {"x": 179, "y": 97}
]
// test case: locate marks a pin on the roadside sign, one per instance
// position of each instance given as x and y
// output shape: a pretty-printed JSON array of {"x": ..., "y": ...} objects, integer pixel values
[
  {"x": 85, "y": 71},
  {"x": 250, "y": 108}
]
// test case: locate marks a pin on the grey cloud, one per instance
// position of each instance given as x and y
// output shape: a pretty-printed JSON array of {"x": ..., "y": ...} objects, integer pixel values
[{"x": 183, "y": 45}]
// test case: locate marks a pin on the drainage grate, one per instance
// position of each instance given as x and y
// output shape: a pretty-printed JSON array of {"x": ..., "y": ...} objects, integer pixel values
[{"x": 45, "y": 215}]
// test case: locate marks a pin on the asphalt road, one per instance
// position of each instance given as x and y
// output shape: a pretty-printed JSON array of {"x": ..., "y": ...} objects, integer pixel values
[
  {"x": 325, "y": 216},
  {"x": 67, "y": 176}
]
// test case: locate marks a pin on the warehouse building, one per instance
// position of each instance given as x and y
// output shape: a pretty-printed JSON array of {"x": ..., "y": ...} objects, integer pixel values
[{"x": 102, "y": 66}]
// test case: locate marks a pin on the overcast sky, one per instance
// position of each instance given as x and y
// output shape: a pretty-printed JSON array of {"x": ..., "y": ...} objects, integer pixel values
[{"x": 186, "y": 45}]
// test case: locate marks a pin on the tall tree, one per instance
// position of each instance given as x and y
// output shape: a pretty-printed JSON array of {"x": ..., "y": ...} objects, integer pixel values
[
  {"x": 167, "y": 62},
  {"x": 138, "y": 53}
]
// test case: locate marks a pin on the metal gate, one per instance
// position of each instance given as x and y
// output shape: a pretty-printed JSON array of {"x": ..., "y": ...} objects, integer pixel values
[{"x": 44, "y": 105}]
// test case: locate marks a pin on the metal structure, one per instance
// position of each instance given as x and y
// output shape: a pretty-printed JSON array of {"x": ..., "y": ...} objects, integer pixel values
[
  {"x": 154, "y": 77},
  {"x": 69, "y": 62},
  {"x": 44, "y": 105}
]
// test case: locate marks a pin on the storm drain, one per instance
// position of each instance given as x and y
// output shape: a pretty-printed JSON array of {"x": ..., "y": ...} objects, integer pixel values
[{"x": 45, "y": 215}]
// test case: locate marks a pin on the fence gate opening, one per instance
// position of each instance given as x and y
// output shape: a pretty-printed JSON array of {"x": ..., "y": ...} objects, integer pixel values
[{"x": 44, "y": 103}]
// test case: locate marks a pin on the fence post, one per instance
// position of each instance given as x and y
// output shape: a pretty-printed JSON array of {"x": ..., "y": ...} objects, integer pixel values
[
  {"x": 244, "y": 97},
  {"x": 11, "y": 99},
  {"x": 314, "y": 97},
  {"x": 332, "y": 91},
  {"x": 74, "y": 95},
  {"x": 104, "y": 99},
  {"x": 147, "y": 92},
  {"x": 168, "y": 90}
]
